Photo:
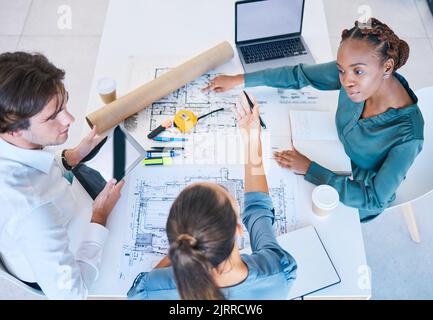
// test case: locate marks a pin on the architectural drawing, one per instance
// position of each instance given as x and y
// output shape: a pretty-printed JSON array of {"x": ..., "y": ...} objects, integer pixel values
[
  {"x": 151, "y": 193},
  {"x": 301, "y": 97},
  {"x": 215, "y": 139},
  {"x": 212, "y": 153},
  {"x": 201, "y": 144}
]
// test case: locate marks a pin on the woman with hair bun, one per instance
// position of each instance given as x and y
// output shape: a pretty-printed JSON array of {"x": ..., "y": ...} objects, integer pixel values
[
  {"x": 203, "y": 260},
  {"x": 378, "y": 119}
]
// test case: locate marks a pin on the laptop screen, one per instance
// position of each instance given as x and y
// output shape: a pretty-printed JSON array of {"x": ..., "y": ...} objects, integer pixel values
[{"x": 266, "y": 19}]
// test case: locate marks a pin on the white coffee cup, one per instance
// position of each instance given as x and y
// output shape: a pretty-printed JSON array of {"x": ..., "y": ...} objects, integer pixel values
[
  {"x": 325, "y": 199},
  {"x": 107, "y": 89}
]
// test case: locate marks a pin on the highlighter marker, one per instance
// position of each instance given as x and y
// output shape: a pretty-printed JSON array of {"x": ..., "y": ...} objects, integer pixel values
[
  {"x": 168, "y": 139},
  {"x": 157, "y": 161},
  {"x": 161, "y": 154}
]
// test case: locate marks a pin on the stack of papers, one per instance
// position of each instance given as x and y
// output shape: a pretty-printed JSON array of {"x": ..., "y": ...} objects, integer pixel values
[
  {"x": 314, "y": 134},
  {"x": 315, "y": 268}
]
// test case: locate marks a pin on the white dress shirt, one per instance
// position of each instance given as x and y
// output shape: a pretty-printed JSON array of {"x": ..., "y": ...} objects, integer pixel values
[{"x": 45, "y": 236}]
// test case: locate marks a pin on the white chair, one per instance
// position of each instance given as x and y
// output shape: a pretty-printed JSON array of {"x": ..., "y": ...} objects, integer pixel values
[
  {"x": 419, "y": 179},
  {"x": 13, "y": 289}
]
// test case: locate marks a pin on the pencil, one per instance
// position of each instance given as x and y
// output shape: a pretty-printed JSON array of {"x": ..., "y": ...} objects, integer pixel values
[{"x": 251, "y": 107}]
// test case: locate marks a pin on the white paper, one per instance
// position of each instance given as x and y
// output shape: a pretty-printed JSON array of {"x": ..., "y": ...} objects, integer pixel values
[
  {"x": 314, "y": 135},
  {"x": 313, "y": 125},
  {"x": 215, "y": 139},
  {"x": 150, "y": 191},
  {"x": 329, "y": 154},
  {"x": 315, "y": 269}
]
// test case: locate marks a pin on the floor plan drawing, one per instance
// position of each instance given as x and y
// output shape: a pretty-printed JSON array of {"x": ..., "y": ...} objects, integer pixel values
[
  {"x": 201, "y": 141},
  {"x": 215, "y": 139},
  {"x": 151, "y": 193},
  {"x": 212, "y": 152}
]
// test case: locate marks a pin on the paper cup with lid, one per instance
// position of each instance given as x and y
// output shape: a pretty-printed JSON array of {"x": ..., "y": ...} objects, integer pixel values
[
  {"x": 325, "y": 199},
  {"x": 107, "y": 89}
]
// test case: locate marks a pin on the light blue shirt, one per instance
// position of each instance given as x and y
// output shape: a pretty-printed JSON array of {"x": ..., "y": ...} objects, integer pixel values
[
  {"x": 271, "y": 270},
  {"x": 382, "y": 148}
]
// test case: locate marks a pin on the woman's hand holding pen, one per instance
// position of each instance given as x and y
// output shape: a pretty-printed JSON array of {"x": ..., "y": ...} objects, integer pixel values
[
  {"x": 224, "y": 83},
  {"x": 248, "y": 122},
  {"x": 293, "y": 160},
  {"x": 247, "y": 119},
  {"x": 249, "y": 126}
]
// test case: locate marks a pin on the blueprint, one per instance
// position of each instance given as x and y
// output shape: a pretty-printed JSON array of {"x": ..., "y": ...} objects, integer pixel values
[
  {"x": 192, "y": 98},
  {"x": 213, "y": 152},
  {"x": 210, "y": 141},
  {"x": 215, "y": 139},
  {"x": 152, "y": 191}
]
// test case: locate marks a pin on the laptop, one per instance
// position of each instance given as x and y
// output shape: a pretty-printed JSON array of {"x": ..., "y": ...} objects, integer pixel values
[{"x": 268, "y": 34}]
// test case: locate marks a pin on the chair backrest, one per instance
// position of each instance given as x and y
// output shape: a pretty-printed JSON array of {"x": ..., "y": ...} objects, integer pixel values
[
  {"x": 13, "y": 288},
  {"x": 419, "y": 178}
]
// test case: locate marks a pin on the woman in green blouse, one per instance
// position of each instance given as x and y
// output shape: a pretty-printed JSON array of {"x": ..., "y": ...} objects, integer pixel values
[{"x": 378, "y": 120}]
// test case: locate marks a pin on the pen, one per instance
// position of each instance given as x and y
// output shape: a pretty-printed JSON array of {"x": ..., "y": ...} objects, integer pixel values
[
  {"x": 161, "y": 149},
  {"x": 159, "y": 154},
  {"x": 157, "y": 161},
  {"x": 251, "y": 107},
  {"x": 168, "y": 139}
]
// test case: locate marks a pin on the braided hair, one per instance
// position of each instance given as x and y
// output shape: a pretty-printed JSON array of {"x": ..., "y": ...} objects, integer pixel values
[{"x": 385, "y": 41}]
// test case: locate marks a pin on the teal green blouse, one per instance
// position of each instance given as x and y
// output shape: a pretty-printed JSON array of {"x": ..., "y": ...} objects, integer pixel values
[{"x": 382, "y": 148}]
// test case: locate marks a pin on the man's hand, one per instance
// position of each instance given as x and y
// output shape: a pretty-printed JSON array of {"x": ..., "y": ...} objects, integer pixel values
[
  {"x": 224, "y": 83},
  {"x": 106, "y": 201},
  {"x": 293, "y": 160},
  {"x": 75, "y": 155}
]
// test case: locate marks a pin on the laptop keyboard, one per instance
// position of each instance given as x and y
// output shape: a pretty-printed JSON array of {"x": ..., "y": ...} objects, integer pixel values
[{"x": 273, "y": 50}]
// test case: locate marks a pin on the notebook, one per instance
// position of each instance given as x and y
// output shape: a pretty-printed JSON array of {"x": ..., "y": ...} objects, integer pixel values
[
  {"x": 268, "y": 34},
  {"x": 314, "y": 134},
  {"x": 315, "y": 269}
]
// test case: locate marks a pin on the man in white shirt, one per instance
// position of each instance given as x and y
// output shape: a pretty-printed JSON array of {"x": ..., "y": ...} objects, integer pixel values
[{"x": 38, "y": 205}]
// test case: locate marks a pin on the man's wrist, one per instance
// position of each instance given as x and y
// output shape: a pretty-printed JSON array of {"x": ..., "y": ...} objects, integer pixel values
[
  {"x": 65, "y": 161},
  {"x": 69, "y": 155},
  {"x": 99, "y": 219}
]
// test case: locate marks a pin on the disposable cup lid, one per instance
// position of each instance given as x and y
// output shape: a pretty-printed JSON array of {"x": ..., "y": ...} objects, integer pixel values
[
  {"x": 106, "y": 85},
  {"x": 325, "y": 197}
]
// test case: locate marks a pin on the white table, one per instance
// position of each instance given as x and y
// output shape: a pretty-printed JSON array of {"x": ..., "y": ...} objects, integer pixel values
[{"x": 182, "y": 29}]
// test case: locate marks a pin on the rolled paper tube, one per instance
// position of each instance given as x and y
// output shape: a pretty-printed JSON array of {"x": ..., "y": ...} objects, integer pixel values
[{"x": 115, "y": 112}]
